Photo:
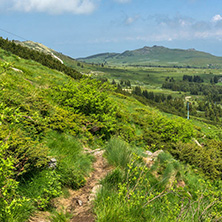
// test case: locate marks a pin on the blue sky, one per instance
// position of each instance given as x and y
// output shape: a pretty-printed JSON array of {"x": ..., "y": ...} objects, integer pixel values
[{"x": 81, "y": 28}]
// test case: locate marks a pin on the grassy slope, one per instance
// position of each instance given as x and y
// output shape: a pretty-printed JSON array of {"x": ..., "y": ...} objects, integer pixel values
[
  {"x": 157, "y": 55},
  {"x": 137, "y": 124},
  {"x": 146, "y": 76},
  {"x": 36, "y": 46},
  {"x": 25, "y": 124},
  {"x": 66, "y": 59}
]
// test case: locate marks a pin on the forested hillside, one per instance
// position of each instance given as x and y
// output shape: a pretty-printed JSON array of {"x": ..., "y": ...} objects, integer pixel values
[{"x": 51, "y": 113}]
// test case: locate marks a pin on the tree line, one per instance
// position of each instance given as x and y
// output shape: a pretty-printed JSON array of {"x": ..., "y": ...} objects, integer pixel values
[{"x": 211, "y": 91}]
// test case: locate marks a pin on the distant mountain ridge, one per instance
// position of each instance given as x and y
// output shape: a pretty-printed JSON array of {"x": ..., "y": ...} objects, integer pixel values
[
  {"x": 146, "y": 56},
  {"x": 157, "y": 55}
]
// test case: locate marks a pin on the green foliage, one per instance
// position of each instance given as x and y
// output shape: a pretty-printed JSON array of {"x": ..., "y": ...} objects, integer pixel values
[
  {"x": 89, "y": 97},
  {"x": 41, "y": 187},
  {"x": 11, "y": 204},
  {"x": 118, "y": 153},
  {"x": 72, "y": 165},
  {"x": 27, "y": 154},
  {"x": 127, "y": 132},
  {"x": 173, "y": 129},
  {"x": 142, "y": 194},
  {"x": 156, "y": 128},
  {"x": 208, "y": 158},
  {"x": 63, "y": 120}
]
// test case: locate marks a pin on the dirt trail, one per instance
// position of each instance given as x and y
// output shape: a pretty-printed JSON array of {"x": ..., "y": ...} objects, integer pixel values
[{"x": 78, "y": 203}]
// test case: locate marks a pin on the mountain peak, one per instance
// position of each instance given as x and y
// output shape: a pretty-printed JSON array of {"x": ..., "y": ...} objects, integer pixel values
[{"x": 192, "y": 50}]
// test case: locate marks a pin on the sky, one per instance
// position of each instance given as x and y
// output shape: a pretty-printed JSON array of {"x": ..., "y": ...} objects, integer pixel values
[{"x": 81, "y": 28}]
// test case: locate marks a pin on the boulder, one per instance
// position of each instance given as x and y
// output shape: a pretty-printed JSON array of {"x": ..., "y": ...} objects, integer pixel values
[
  {"x": 151, "y": 157},
  {"x": 53, "y": 163},
  {"x": 94, "y": 192}
]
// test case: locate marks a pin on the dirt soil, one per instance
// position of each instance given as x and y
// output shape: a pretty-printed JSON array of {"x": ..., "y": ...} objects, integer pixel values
[{"x": 78, "y": 203}]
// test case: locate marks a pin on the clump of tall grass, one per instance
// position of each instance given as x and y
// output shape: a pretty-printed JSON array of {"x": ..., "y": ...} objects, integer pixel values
[
  {"x": 118, "y": 152},
  {"x": 73, "y": 164}
]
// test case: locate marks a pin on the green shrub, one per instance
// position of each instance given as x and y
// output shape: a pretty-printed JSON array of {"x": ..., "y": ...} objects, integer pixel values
[
  {"x": 41, "y": 188},
  {"x": 208, "y": 158},
  {"x": 12, "y": 206},
  {"x": 89, "y": 97},
  {"x": 172, "y": 130},
  {"x": 70, "y": 176}
]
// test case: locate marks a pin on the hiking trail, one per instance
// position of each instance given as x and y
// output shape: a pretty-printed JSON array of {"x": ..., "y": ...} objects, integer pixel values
[{"x": 80, "y": 202}]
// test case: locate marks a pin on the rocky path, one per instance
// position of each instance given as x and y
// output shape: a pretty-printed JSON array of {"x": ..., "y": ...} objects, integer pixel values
[
  {"x": 79, "y": 202},
  {"x": 82, "y": 199}
]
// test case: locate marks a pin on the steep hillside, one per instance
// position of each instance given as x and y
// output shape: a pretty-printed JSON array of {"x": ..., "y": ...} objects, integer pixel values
[
  {"x": 64, "y": 59},
  {"x": 157, "y": 55}
]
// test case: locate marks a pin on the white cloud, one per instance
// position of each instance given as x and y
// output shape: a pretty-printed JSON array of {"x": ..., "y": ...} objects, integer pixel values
[
  {"x": 166, "y": 28},
  {"x": 123, "y": 1},
  {"x": 217, "y": 18},
  {"x": 53, "y": 6},
  {"x": 131, "y": 20}
]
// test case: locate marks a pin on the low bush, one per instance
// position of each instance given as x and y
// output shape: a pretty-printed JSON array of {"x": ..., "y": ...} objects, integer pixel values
[
  {"x": 12, "y": 207},
  {"x": 89, "y": 97},
  {"x": 41, "y": 188},
  {"x": 208, "y": 159}
]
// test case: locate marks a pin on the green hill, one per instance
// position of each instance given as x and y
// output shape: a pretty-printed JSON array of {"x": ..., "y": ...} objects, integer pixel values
[
  {"x": 64, "y": 59},
  {"x": 155, "y": 56},
  {"x": 48, "y": 119}
]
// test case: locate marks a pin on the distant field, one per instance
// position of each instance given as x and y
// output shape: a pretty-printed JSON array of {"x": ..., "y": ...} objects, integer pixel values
[{"x": 153, "y": 76}]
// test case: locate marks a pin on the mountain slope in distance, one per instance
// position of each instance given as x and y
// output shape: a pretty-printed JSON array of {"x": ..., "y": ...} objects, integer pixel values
[
  {"x": 67, "y": 60},
  {"x": 157, "y": 55}
]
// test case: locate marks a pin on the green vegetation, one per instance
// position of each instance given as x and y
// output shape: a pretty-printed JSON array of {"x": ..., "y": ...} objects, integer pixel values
[
  {"x": 44, "y": 59},
  {"x": 157, "y": 56},
  {"x": 60, "y": 216},
  {"x": 118, "y": 153},
  {"x": 48, "y": 117},
  {"x": 29, "y": 121},
  {"x": 167, "y": 191}
]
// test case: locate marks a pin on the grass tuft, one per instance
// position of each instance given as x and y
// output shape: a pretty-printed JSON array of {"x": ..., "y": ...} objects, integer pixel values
[{"x": 118, "y": 152}]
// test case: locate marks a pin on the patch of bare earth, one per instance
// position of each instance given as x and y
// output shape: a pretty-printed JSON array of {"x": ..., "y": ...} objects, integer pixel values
[{"x": 79, "y": 203}]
